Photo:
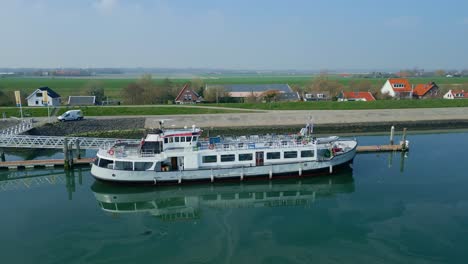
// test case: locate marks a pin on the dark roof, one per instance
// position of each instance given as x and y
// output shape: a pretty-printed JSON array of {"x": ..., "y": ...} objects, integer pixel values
[
  {"x": 253, "y": 87},
  {"x": 288, "y": 96},
  {"x": 50, "y": 92},
  {"x": 81, "y": 100}
]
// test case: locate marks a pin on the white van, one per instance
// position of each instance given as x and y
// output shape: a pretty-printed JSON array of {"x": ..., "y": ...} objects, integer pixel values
[{"x": 71, "y": 115}]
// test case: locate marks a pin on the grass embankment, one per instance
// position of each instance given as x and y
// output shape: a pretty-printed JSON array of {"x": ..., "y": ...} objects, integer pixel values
[
  {"x": 147, "y": 110},
  {"x": 27, "y": 111},
  {"x": 333, "y": 105}
]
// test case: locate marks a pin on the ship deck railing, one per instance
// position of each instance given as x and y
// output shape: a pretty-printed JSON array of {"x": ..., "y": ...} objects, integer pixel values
[{"x": 135, "y": 152}]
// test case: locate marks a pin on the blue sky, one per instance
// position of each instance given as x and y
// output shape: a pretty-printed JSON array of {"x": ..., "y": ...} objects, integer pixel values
[{"x": 240, "y": 34}]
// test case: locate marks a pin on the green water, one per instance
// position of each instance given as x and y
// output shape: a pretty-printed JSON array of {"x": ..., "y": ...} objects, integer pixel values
[{"x": 388, "y": 209}]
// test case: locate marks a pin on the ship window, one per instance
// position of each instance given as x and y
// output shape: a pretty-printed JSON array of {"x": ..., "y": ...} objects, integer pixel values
[
  {"x": 142, "y": 166},
  {"x": 171, "y": 139},
  {"x": 228, "y": 158},
  {"x": 96, "y": 161},
  {"x": 188, "y": 139},
  {"x": 182, "y": 139},
  {"x": 103, "y": 163},
  {"x": 244, "y": 157},
  {"x": 273, "y": 155},
  {"x": 194, "y": 138},
  {"x": 307, "y": 153},
  {"x": 177, "y": 139},
  {"x": 210, "y": 159},
  {"x": 290, "y": 154},
  {"x": 166, "y": 140},
  {"x": 124, "y": 165}
]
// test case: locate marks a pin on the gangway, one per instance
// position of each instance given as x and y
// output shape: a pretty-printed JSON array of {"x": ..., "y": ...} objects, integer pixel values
[
  {"x": 54, "y": 142},
  {"x": 22, "y": 127}
]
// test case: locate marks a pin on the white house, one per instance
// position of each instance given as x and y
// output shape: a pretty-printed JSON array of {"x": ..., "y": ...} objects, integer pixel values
[
  {"x": 397, "y": 88},
  {"x": 456, "y": 94},
  {"x": 42, "y": 97}
]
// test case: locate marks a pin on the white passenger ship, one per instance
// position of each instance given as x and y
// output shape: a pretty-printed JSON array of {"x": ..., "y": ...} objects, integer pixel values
[{"x": 181, "y": 155}]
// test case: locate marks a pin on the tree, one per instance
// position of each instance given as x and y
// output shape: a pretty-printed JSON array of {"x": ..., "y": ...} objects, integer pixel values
[
  {"x": 7, "y": 99},
  {"x": 270, "y": 95},
  {"x": 322, "y": 83},
  {"x": 252, "y": 98},
  {"x": 360, "y": 86},
  {"x": 216, "y": 94},
  {"x": 133, "y": 94},
  {"x": 197, "y": 85},
  {"x": 439, "y": 73},
  {"x": 95, "y": 88}
]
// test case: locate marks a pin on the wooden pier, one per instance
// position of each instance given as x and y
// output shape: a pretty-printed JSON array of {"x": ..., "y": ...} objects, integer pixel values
[
  {"x": 381, "y": 148},
  {"x": 31, "y": 164}
]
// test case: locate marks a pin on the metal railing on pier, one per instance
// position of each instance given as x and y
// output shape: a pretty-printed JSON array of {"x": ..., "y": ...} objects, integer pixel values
[{"x": 50, "y": 142}]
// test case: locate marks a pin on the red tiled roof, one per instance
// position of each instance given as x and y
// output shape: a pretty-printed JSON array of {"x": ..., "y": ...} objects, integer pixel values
[
  {"x": 422, "y": 89},
  {"x": 465, "y": 94},
  {"x": 406, "y": 85},
  {"x": 358, "y": 95}
]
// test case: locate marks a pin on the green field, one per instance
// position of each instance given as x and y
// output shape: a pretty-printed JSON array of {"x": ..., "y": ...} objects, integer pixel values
[
  {"x": 75, "y": 86},
  {"x": 27, "y": 111}
]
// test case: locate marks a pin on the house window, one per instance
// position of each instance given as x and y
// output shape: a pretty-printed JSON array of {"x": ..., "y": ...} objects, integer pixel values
[
  {"x": 228, "y": 158},
  {"x": 210, "y": 159},
  {"x": 37, "y": 102},
  {"x": 290, "y": 154},
  {"x": 273, "y": 155},
  {"x": 245, "y": 157},
  {"x": 38, "y": 94}
]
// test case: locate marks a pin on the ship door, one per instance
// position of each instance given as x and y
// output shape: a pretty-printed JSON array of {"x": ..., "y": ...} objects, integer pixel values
[
  {"x": 259, "y": 158},
  {"x": 174, "y": 163}
]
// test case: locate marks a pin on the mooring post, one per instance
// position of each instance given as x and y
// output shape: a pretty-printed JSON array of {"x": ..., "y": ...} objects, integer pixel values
[
  {"x": 66, "y": 153},
  {"x": 392, "y": 132},
  {"x": 77, "y": 144},
  {"x": 70, "y": 155},
  {"x": 403, "y": 143},
  {"x": 2, "y": 155}
]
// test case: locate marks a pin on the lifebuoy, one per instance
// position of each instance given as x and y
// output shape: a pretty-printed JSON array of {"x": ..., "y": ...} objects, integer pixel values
[
  {"x": 111, "y": 152},
  {"x": 211, "y": 146}
]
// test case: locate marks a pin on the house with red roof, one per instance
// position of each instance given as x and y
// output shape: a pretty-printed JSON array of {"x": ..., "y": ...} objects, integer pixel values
[
  {"x": 188, "y": 96},
  {"x": 456, "y": 94},
  {"x": 397, "y": 88},
  {"x": 428, "y": 90},
  {"x": 355, "y": 96}
]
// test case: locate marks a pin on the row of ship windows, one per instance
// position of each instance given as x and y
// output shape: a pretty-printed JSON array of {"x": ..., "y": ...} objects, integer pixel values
[
  {"x": 249, "y": 156},
  {"x": 179, "y": 139},
  {"x": 123, "y": 165}
]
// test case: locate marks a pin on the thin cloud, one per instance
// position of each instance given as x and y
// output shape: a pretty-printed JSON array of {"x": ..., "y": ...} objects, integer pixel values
[{"x": 105, "y": 5}]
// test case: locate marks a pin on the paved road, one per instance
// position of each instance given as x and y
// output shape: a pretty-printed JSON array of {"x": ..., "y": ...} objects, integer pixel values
[{"x": 281, "y": 118}]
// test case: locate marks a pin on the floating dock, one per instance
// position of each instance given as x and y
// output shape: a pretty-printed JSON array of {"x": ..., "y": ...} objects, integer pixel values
[{"x": 31, "y": 164}]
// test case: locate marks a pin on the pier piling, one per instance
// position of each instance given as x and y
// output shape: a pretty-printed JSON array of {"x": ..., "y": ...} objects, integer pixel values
[
  {"x": 2, "y": 156},
  {"x": 77, "y": 145},
  {"x": 403, "y": 144},
  {"x": 66, "y": 154},
  {"x": 392, "y": 132}
]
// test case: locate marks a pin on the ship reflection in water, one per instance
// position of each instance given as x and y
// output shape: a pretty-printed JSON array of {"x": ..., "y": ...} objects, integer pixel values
[{"x": 186, "y": 202}]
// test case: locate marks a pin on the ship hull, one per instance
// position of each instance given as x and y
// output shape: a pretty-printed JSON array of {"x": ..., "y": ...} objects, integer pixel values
[{"x": 282, "y": 170}]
